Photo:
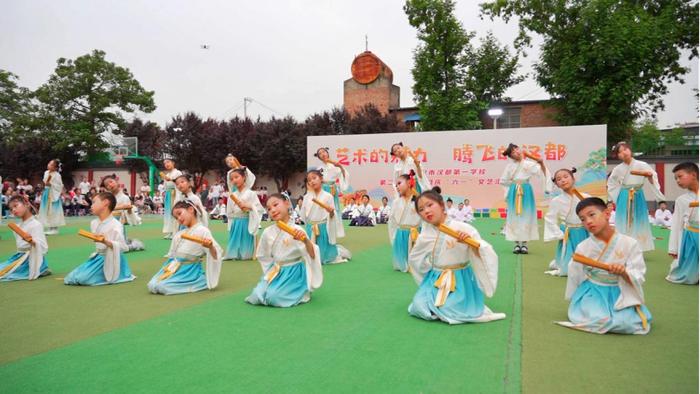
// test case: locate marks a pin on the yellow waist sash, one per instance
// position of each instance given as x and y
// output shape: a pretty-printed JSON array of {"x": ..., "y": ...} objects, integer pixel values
[
  {"x": 276, "y": 267},
  {"x": 446, "y": 283}
]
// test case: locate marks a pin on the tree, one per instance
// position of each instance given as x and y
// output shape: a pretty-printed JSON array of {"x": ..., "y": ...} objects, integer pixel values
[
  {"x": 16, "y": 106},
  {"x": 195, "y": 144},
  {"x": 368, "y": 120},
  {"x": 492, "y": 70},
  {"x": 440, "y": 66},
  {"x": 282, "y": 146},
  {"x": 84, "y": 102},
  {"x": 647, "y": 138},
  {"x": 606, "y": 61}
]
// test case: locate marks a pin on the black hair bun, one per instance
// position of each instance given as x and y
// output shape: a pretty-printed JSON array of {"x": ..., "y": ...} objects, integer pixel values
[
  {"x": 573, "y": 170},
  {"x": 437, "y": 189}
]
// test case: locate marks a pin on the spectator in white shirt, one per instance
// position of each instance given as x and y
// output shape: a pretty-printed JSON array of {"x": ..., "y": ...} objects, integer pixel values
[
  {"x": 663, "y": 216},
  {"x": 84, "y": 186},
  {"x": 468, "y": 211},
  {"x": 384, "y": 212},
  {"x": 611, "y": 208},
  {"x": 451, "y": 209}
]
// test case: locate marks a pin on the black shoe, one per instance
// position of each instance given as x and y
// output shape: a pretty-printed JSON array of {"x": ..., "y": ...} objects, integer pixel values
[
  {"x": 523, "y": 249},
  {"x": 516, "y": 249}
]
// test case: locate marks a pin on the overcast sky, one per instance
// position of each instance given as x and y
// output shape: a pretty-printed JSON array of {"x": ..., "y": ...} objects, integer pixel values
[{"x": 291, "y": 56}]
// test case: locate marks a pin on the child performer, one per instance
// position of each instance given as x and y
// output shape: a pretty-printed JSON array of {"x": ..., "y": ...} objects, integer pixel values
[
  {"x": 108, "y": 264},
  {"x": 611, "y": 299},
  {"x": 244, "y": 218},
  {"x": 683, "y": 241},
  {"x": 521, "y": 219},
  {"x": 183, "y": 271},
  {"x": 404, "y": 223},
  {"x": 232, "y": 163},
  {"x": 291, "y": 263},
  {"x": 124, "y": 210},
  {"x": 364, "y": 213},
  {"x": 625, "y": 188},
  {"x": 332, "y": 172},
  {"x": 183, "y": 185},
  {"x": 407, "y": 164},
  {"x": 453, "y": 277},
  {"x": 170, "y": 196},
  {"x": 570, "y": 232},
  {"x": 322, "y": 224},
  {"x": 51, "y": 209},
  {"x": 29, "y": 262}
]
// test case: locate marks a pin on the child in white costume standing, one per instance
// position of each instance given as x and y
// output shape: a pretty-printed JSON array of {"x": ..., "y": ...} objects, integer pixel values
[
  {"x": 625, "y": 189},
  {"x": 561, "y": 223},
  {"x": 409, "y": 164},
  {"x": 51, "y": 209},
  {"x": 521, "y": 216},
  {"x": 170, "y": 197},
  {"x": 404, "y": 223},
  {"x": 323, "y": 226}
]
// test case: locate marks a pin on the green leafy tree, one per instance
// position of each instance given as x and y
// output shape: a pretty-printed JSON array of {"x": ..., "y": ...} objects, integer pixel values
[
  {"x": 606, "y": 61},
  {"x": 282, "y": 147},
  {"x": 16, "y": 107},
  {"x": 492, "y": 69},
  {"x": 440, "y": 66},
  {"x": 85, "y": 100}
]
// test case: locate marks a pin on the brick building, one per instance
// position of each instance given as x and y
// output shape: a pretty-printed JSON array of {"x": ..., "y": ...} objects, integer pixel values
[{"x": 372, "y": 83}]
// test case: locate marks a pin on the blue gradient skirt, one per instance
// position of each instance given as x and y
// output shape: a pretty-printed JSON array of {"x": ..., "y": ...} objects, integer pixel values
[
  {"x": 49, "y": 209},
  {"x": 168, "y": 211},
  {"x": 528, "y": 211},
  {"x": 463, "y": 305},
  {"x": 22, "y": 272},
  {"x": 289, "y": 288},
  {"x": 329, "y": 253},
  {"x": 91, "y": 272},
  {"x": 336, "y": 199},
  {"x": 402, "y": 241},
  {"x": 241, "y": 243},
  {"x": 687, "y": 270},
  {"x": 592, "y": 309},
  {"x": 639, "y": 227},
  {"x": 189, "y": 278},
  {"x": 563, "y": 256}
]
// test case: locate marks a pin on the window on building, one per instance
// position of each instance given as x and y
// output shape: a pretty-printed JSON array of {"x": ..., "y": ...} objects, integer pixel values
[{"x": 510, "y": 118}]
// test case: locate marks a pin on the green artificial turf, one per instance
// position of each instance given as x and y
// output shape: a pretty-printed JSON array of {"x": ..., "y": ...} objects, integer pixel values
[
  {"x": 354, "y": 336},
  {"x": 557, "y": 359}
]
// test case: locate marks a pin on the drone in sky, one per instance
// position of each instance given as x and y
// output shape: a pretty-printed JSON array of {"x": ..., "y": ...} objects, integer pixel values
[{"x": 205, "y": 46}]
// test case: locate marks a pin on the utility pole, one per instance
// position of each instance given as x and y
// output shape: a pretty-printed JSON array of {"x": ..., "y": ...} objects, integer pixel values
[{"x": 246, "y": 100}]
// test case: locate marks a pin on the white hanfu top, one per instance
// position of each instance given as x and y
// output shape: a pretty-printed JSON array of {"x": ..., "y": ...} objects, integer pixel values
[
  {"x": 33, "y": 227},
  {"x": 405, "y": 166},
  {"x": 621, "y": 249},
  {"x": 200, "y": 207},
  {"x": 277, "y": 246},
  {"x": 683, "y": 215},
  {"x": 113, "y": 231},
  {"x": 521, "y": 171},
  {"x": 562, "y": 208},
  {"x": 331, "y": 173},
  {"x": 620, "y": 176},
  {"x": 434, "y": 249},
  {"x": 403, "y": 213},
  {"x": 248, "y": 197},
  {"x": 130, "y": 215},
  {"x": 313, "y": 213}
]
